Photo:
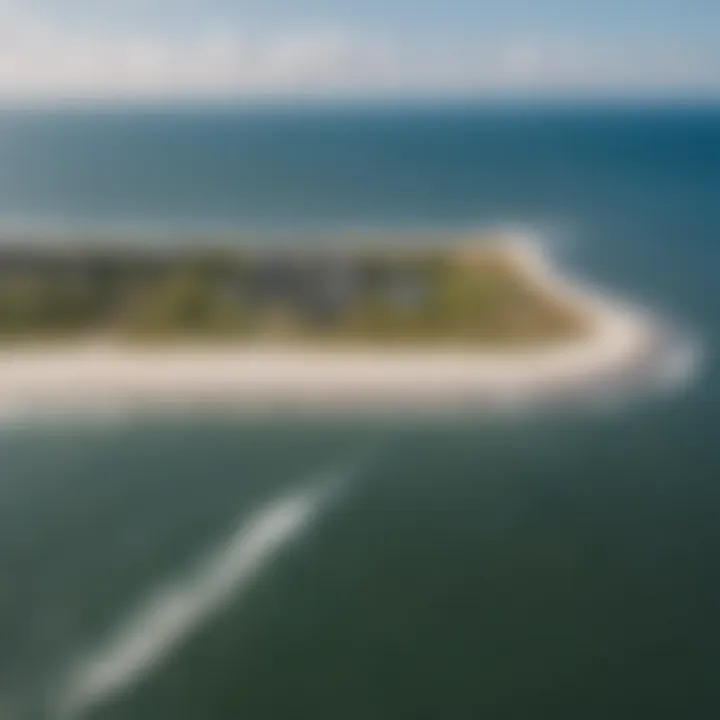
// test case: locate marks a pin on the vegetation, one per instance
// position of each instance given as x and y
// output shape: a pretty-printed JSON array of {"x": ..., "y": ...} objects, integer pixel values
[{"x": 364, "y": 296}]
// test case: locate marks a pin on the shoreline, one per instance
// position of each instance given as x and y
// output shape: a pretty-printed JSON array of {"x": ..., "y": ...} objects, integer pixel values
[{"x": 624, "y": 346}]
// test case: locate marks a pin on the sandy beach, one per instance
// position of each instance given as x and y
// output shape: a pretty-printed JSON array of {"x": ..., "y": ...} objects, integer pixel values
[{"x": 623, "y": 345}]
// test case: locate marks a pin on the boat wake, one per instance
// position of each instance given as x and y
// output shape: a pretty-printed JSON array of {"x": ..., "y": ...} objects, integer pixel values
[{"x": 174, "y": 611}]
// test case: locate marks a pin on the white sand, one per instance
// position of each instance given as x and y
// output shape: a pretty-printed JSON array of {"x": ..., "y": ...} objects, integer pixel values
[{"x": 104, "y": 375}]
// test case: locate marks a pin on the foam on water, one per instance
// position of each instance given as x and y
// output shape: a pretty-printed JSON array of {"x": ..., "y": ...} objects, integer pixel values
[{"x": 175, "y": 610}]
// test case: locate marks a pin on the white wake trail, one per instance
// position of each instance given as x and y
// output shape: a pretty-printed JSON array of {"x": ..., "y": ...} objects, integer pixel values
[{"x": 172, "y": 613}]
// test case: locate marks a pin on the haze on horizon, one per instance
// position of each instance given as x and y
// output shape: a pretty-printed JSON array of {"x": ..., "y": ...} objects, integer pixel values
[{"x": 199, "y": 50}]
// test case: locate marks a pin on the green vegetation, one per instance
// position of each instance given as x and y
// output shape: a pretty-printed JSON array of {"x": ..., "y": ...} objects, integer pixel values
[
  {"x": 415, "y": 296},
  {"x": 184, "y": 303}
]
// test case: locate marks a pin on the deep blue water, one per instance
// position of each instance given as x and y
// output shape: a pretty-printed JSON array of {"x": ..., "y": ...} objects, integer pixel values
[{"x": 544, "y": 566}]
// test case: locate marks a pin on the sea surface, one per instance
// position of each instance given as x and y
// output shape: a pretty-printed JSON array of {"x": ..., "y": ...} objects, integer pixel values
[{"x": 510, "y": 565}]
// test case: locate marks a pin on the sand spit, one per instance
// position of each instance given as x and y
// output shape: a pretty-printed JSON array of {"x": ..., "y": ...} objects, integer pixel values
[{"x": 626, "y": 348}]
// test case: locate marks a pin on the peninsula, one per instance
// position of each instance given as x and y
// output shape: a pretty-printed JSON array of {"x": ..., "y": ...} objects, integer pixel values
[{"x": 341, "y": 326}]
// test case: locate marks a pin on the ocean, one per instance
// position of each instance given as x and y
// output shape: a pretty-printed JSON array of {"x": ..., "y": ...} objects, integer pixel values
[{"x": 523, "y": 564}]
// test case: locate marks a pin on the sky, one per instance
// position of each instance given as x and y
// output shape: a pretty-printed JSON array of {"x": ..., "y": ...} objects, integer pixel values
[{"x": 390, "y": 49}]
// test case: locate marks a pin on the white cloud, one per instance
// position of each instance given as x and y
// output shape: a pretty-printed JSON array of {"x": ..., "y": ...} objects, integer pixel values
[{"x": 42, "y": 57}]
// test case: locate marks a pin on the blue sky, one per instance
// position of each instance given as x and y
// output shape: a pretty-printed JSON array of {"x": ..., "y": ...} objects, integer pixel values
[{"x": 339, "y": 48}]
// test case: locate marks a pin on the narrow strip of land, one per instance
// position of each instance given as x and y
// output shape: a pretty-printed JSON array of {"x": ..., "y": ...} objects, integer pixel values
[{"x": 510, "y": 326}]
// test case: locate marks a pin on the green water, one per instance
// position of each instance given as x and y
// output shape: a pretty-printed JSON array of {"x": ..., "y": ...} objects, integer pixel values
[{"x": 501, "y": 567}]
